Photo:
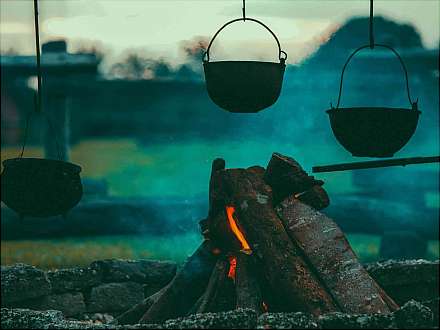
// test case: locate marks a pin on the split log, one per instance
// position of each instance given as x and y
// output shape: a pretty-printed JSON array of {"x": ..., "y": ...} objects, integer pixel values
[
  {"x": 134, "y": 314},
  {"x": 293, "y": 285},
  {"x": 246, "y": 284},
  {"x": 287, "y": 177},
  {"x": 186, "y": 287},
  {"x": 214, "y": 197},
  {"x": 219, "y": 295},
  {"x": 327, "y": 249}
]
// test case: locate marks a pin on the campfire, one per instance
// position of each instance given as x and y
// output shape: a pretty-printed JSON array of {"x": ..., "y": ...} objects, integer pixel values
[{"x": 268, "y": 248}]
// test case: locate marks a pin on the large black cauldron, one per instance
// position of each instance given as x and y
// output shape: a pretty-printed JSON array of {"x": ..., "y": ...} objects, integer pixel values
[
  {"x": 40, "y": 187},
  {"x": 374, "y": 131},
  {"x": 244, "y": 86}
]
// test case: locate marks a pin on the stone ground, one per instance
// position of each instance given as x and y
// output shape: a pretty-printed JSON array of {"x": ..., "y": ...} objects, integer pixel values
[
  {"x": 91, "y": 297},
  {"x": 412, "y": 315}
]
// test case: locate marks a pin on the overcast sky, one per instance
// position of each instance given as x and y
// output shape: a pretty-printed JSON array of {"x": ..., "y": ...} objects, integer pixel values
[{"x": 159, "y": 27}]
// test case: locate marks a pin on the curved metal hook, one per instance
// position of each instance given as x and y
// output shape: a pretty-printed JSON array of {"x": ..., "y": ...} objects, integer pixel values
[
  {"x": 413, "y": 104},
  {"x": 280, "y": 52}
]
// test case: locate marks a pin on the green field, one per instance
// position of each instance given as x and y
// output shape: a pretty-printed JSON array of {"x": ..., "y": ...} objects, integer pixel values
[
  {"x": 51, "y": 254},
  {"x": 181, "y": 168}
]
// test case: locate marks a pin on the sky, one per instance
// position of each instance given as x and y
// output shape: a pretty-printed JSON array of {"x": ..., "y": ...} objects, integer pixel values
[{"x": 159, "y": 28}]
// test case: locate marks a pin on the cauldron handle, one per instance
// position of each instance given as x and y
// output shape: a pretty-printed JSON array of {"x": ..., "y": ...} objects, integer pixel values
[
  {"x": 280, "y": 52},
  {"x": 413, "y": 104}
]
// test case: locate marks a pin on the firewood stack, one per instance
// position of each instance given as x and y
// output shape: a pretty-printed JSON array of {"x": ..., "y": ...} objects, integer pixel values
[{"x": 266, "y": 247}]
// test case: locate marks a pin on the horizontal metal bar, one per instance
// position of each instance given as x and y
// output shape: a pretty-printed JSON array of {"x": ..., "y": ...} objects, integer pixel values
[{"x": 375, "y": 164}]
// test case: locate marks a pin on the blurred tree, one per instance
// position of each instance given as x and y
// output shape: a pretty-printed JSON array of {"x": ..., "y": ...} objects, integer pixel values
[
  {"x": 133, "y": 67},
  {"x": 355, "y": 33}
]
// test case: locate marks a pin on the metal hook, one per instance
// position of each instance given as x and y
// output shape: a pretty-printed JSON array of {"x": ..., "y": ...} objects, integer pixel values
[{"x": 244, "y": 10}]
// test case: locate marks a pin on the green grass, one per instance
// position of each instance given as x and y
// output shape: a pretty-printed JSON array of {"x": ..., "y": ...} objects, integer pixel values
[
  {"x": 51, "y": 254},
  {"x": 60, "y": 253}
]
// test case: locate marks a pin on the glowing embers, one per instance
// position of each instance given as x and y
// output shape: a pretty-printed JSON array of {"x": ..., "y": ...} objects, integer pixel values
[
  {"x": 232, "y": 267},
  {"x": 230, "y": 210}
]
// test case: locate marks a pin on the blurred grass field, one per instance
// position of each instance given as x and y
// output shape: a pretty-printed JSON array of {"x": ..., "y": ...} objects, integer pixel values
[
  {"x": 181, "y": 168},
  {"x": 52, "y": 254}
]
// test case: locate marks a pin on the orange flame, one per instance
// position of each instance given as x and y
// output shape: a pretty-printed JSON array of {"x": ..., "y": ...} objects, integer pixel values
[
  {"x": 232, "y": 267},
  {"x": 230, "y": 210}
]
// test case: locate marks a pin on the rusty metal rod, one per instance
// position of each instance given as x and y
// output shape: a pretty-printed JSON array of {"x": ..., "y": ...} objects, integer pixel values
[{"x": 375, "y": 164}]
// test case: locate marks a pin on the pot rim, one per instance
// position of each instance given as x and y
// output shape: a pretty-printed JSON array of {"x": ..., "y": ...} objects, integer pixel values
[
  {"x": 365, "y": 109},
  {"x": 246, "y": 61},
  {"x": 74, "y": 167}
]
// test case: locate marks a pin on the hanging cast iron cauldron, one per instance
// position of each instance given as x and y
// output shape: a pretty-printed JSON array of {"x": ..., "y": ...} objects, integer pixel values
[
  {"x": 374, "y": 131},
  {"x": 40, "y": 187},
  {"x": 244, "y": 86}
]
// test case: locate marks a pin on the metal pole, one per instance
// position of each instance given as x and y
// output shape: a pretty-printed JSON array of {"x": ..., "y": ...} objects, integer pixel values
[
  {"x": 37, "y": 48},
  {"x": 375, "y": 164}
]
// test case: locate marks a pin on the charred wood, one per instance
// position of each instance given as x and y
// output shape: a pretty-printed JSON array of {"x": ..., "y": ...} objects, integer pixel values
[
  {"x": 286, "y": 177},
  {"x": 134, "y": 314},
  {"x": 219, "y": 295},
  {"x": 215, "y": 191},
  {"x": 293, "y": 284},
  {"x": 185, "y": 288},
  {"x": 246, "y": 284}
]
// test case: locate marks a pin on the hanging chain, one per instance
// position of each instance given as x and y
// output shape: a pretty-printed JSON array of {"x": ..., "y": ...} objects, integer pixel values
[
  {"x": 371, "y": 25},
  {"x": 38, "y": 95},
  {"x": 244, "y": 10}
]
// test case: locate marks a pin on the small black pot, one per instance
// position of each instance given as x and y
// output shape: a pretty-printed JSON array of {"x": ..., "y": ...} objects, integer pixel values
[
  {"x": 40, "y": 187},
  {"x": 373, "y": 132},
  {"x": 244, "y": 86}
]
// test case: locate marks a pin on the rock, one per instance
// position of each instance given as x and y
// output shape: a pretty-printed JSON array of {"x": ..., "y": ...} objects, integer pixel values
[
  {"x": 149, "y": 272},
  {"x": 237, "y": 319},
  {"x": 73, "y": 279},
  {"x": 414, "y": 315},
  {"x": 433, "y": 305},
  {"x": 352, "y": 321},
  {"x": 115, "y": 297},
  {"x": 286, "y": 321},
  {"x": 28, "y": 319},
  {"x": 102, "y": 318},
  {"x": 70, "y": 304},
  {"x": 21, "y": 282},
  {"x": 407, "y": 279}
]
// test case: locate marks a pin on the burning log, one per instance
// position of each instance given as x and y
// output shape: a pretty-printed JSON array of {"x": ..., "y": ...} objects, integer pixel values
[
  {"x": 293, "y": 285},
  {"x": 289, "y": 257},
  {"x": 219, "y": 295},
  {"x": 185, "y": 288},
  {"x": 329, "y": 252},
  {"x": 287, "y": 177},
  {"x": 246, "y": 284},
  {"x": 134, "y": 314}
]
